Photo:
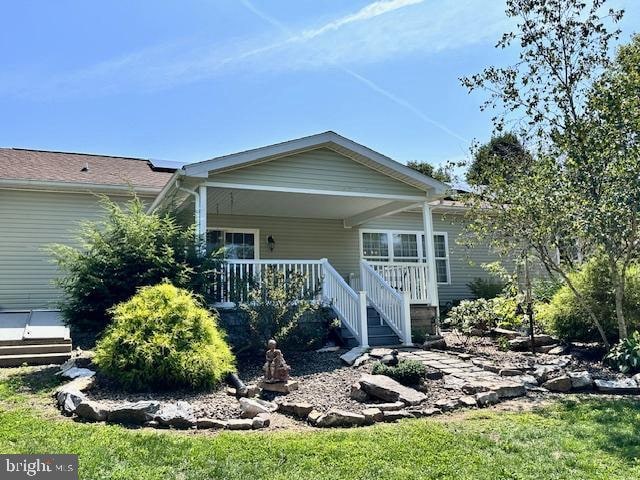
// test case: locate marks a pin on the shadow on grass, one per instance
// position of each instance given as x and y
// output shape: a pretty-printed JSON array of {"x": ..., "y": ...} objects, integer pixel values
[
  {"x": 34, "y": 381},
  {"x": 613, "y": 424}
]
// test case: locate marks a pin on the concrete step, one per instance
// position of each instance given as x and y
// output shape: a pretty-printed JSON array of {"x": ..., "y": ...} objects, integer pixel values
[
  {"x": 35, "y": 341},
  {"x": 34, "y": 349},
  {"x": 383, "y": 340},
  {"x": 34, "y": 359}
]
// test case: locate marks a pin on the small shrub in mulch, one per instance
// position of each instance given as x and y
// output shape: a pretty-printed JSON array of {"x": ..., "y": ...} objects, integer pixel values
[{"x": 407, "y": 372}]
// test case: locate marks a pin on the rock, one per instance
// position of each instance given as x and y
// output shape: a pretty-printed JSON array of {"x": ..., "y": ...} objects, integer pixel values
[
  {"x": 70, "y": 400},
  {"x": 82, "y": 384},
  {"x": 84, "y": 358},
  {"x": 177, "y": 415},
  {"x": 358, "y": 394},
  {"x": 250, "y": 391},
  {"x": 558, "y": 384},
  {"x": 151, "y": 424},
  {"x": 372, "y": 415},
  {"x": 424, "y": 412},
  {"x": 545, "y": 348},
  {"x": 559, "y": 350},
  {"x": 510, "y": 372},
  {"x": 92, "y": 411},
  {"x": 454, "y": 383},
  {"x": 523, "y": 343},
  {"x": 485, "y": 365},
  {"x": 434, "y": 375},
  {"x": 314, "y": 416},
  {"x": 447, "y": 404},
  {"x": 503, "y": 332},
  {"x": 472, "y": 387},
  {"x": 626, "y": 386},
  {"x": 529, "y": 381},
  {"x": 210, "y": 423},
  {"x": 340, "y": 418},
  {"x": 468, "y": 401},
  {"x": 297, "y": 409},
  {"x": 133, "y": 413},
  {"x": 434, "y": 342},
  {"x": 395, "y": 415},
  {"x": 240, "y": 424},
  {"x": 508, "y": 389},
  {"x": 75, "y": 372},
  {"x": 379, "y": 352},
  {"x": 352, "y": 355},
  {"x": 279, "y": 387},
  {"x": 580, "y": 380},
  {"x": 262, "y": 420},
  {"x": 543, "y": 373},
  {"x": 385, "y": 407},
  {"x": 391, "y": 359},
  {"x": 636, "y": 378},
  {"x": 361, "y": 360},
  {"x": 485, "y": 399},
  {"x": 464, "y": 356},
  {"x": 253, "y": 406},
  {"x": 387, "y": 389}
]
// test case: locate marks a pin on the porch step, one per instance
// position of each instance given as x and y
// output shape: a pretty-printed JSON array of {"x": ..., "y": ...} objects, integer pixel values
[
  {"x": 379, "y": 332},
  {"x": 35, "y": 341},
  {"x": 34, "y": 359},
  {"x": 24, "y": 348}
]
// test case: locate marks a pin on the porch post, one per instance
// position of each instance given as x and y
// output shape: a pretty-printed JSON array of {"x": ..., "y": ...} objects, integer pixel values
[
  {"x": 201, "y": 213},
  {"x": 362, "y": 317},
  {"x": 432, "y": 286}
]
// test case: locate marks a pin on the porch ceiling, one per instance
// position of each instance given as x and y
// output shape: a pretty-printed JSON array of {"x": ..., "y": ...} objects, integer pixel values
[{"x": 225, "y": 201}]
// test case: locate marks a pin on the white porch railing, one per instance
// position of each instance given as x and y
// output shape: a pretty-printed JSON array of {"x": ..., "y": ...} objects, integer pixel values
[
  {"x": 412, "y": 278},
  {"x": 394, "y": 306},
  {"x": 238, "y": 276},
  {"x": 350, "y": 306}
]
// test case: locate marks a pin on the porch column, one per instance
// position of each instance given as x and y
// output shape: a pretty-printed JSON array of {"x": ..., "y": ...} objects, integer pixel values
[
  {"x": 201, "y": 214},
  {"x": 427, "y": 220}
]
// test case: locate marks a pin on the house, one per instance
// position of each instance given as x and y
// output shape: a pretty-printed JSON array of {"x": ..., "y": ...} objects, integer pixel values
[{"x": 368, "y": 232}]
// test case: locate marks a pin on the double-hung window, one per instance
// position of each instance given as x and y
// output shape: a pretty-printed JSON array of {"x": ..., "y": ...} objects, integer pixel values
[
  {"x": 406, "y": 247},
  {"x": 237, "y": 243}
]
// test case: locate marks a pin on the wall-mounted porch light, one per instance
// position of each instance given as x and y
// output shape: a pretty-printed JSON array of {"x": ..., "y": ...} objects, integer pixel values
[{"x": 271, "y": 243}]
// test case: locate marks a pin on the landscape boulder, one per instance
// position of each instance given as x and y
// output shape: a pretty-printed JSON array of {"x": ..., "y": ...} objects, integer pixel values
[
  {"x": 434, "y": 342},
  {"x": 580, "y": 380},
  {"x": 625, "y": 386},
  {"x": 178, "y": 415},
  {"x": 558, "y": 384},
  {"x": 388, "y": 390},
  {"x": 340, "y": 418},
  {"x": 253, "y": 406},
  {"x": 395, "y": 415},
  {"x": 91, "y": 411},
  {"x": 133, "y": 413},
  {"x": 297, "y": 409},
  {"x": 485, "y": 399},
  {"x": 523, "y": 343}
]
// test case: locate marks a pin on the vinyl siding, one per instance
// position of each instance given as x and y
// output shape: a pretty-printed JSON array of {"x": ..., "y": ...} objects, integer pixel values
[
  {"x": 316, "y": 238},
  {"x": 30, "y": 220},
  {"x": 320, "y": 169}
]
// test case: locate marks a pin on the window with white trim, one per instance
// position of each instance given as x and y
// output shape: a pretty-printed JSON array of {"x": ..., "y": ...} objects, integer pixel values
[
  {"x": 237, "y": 243},
  {"x": 401, "y": 246}
]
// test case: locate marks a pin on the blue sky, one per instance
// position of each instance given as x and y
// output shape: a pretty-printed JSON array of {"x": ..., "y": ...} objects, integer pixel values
[{"x": 189, "y": 80}]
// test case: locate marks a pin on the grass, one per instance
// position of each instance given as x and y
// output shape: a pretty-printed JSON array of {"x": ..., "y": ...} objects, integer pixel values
[{"x": 587, "y": 439}]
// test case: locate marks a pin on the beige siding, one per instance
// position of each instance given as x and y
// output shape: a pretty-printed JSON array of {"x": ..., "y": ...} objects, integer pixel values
[
  {"x": 314, "y": 238},
  {"x": 29, "y": 221},
  {"x": 320, "y": 169},
  {"x": 300, "y": 239}
]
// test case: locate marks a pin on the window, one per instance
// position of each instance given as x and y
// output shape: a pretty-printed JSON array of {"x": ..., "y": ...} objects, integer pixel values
[
  {"x": 394, "y": 246},
  {"x": 375, "y": 246},
  {"x": 238, "y": 244}
]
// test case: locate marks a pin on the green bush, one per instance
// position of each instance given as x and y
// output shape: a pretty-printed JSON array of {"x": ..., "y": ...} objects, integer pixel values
[
  {"x": 275, "y": 309},
  {"x": 407, "y": 372},
  {"x": 625, "y": 355},
  {"x": 565, "y": 317},
  {"x": 506, "y": 312},
  {"x": 126, "y": 250},
  {"x": 486, "y": 288},
  {"x": 472, "y": 314},
  {"x": 162, "y": 338}
]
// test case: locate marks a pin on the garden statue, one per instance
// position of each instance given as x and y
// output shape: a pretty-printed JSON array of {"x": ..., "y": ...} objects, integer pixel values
[{"x": 275, "y": 368}]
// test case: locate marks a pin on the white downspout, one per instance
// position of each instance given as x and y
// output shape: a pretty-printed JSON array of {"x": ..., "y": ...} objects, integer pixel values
[{"x": 196, "y": 201}]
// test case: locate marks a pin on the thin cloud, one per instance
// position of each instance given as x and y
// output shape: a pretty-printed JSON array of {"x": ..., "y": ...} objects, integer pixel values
[{"x": 382, "y": 30}]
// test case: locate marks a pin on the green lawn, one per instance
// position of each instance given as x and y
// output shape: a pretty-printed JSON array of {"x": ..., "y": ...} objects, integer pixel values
[{"x": 589, "y": 439}]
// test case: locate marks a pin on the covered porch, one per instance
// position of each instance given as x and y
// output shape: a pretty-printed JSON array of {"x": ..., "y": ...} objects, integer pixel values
[{"x": 303, "y": 206}]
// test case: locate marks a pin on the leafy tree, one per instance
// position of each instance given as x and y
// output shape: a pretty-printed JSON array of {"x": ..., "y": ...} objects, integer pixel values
[
  {"x": 425, "y": 168},
  {"x": 563, "y": 48},
  {"x": 124, "y": 251},
  {"x": 503, "y": 155}
]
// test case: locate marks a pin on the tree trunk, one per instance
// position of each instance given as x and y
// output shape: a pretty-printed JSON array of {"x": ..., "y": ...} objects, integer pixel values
[{"x": 618, "y": 280}]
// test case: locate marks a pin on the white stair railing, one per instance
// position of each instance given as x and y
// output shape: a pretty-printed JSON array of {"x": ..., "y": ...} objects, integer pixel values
[
  {"x": 351, "y": 307},
  {"x": 411, "y": 277},
  {"x": 393, "y": 306}
]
